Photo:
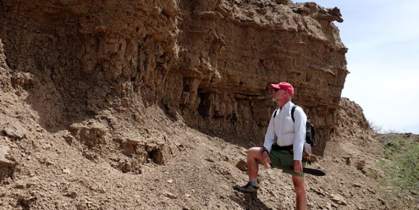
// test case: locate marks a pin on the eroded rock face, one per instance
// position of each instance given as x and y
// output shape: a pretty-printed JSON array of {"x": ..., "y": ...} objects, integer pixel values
[
  {"x": 352, "y": 122},
  {"x": 208, "y": 63}
]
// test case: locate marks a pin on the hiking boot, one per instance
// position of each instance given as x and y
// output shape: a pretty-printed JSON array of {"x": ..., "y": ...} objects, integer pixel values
[{"x": 248, "y": 188}]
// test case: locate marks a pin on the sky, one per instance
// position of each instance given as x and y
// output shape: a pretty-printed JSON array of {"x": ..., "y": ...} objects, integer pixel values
[{"x": 383, "y": 60}]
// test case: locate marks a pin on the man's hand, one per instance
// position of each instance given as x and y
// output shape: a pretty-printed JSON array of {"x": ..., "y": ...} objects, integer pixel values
[
  {"x": 266, "y": 160},
  {"x": 298, "y": 167}
]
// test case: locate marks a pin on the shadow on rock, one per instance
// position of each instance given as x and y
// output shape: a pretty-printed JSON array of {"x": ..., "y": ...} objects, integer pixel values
[{"x": 249, "y": 202}]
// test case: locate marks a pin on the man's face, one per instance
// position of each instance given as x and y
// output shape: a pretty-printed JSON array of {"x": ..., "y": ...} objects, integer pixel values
[{"x": 278, "y": 94}]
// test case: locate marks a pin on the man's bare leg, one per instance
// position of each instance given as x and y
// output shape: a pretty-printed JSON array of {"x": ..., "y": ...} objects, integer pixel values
[
  {"x": 253, "y": 158},
  {"x": 300, "y": 192}
]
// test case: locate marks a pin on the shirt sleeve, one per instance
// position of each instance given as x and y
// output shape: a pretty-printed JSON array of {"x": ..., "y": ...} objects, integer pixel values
[
  {"x": 270, "y": 134},
  {"x": 300, "y": 132}
]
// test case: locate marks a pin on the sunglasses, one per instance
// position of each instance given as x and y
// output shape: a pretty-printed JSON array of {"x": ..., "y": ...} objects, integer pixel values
[{"x": 276, "y": 90}]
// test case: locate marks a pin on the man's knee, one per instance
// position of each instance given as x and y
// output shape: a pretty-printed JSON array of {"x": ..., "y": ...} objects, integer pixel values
[
  {"x": 299, "y": 185},
  {"x": 253, "y": 152}
]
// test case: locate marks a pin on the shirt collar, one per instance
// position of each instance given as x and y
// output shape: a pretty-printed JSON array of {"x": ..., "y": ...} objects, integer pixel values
[{"x": 287, "y": 105}]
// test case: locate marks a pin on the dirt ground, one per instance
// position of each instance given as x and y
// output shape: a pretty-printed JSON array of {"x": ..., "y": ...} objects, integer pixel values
[{"x": 190, "y": 171}]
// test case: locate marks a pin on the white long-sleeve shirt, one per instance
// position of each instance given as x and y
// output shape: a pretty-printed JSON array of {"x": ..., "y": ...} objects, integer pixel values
[{"x": 285, "y": 132}]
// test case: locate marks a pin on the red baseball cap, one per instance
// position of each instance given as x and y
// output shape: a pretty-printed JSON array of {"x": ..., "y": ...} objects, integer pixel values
[{"x": 284, "y": 85}]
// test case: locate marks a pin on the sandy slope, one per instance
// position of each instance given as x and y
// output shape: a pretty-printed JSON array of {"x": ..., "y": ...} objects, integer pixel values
[{"x": 55, "y": 171}]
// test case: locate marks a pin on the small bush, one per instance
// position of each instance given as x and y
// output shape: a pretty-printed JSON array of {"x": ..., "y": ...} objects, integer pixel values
[
  {"x": 402, "y": 171},
  {"x": 378, "y": 129}
]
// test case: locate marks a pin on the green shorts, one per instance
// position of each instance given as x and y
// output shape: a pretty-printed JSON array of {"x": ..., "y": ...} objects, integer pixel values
[{"x": 285, "y": 158}]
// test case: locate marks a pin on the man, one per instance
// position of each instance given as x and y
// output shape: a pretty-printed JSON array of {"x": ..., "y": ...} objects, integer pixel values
[{"x": 283, "y": 146}]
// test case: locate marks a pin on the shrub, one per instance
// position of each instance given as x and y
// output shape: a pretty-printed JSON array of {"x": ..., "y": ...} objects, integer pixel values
[
  {"x": 377, "y": 129},
  {"x": 402, "y": 171}
]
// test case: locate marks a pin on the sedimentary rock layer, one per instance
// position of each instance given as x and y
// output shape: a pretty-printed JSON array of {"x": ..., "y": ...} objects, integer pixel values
[{"x": 208, "y": 63}]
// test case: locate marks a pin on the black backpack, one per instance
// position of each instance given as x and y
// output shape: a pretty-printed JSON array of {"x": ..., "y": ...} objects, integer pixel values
[{"x": 310, "y": 130}]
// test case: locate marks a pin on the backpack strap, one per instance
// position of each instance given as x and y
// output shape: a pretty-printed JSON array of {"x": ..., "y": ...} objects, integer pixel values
[
  {"x": 292, "y": 112},
  {"x": 275, "y": 113}
]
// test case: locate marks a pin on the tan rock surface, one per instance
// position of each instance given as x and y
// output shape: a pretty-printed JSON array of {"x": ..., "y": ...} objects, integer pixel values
[{"x": 206, "y": 63}]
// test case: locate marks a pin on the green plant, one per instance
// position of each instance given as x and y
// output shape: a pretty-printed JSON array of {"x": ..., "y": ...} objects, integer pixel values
[{"x": 402, "y": 169}]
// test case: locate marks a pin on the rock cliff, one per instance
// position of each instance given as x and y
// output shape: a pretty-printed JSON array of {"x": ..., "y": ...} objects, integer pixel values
[{"x": 207, "y": 63}]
